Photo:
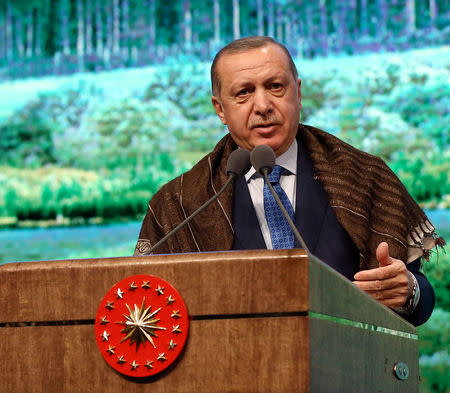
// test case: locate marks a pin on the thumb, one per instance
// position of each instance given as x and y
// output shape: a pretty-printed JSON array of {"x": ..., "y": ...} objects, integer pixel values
[{"x": 383, "y": 254}]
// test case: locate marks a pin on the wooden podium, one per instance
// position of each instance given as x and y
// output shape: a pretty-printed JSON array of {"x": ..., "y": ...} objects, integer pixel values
[{"x": 262, "y": 321}]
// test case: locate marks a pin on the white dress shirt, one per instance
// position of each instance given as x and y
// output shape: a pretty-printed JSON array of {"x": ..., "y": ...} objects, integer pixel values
[{"x": 255, "y": 183}]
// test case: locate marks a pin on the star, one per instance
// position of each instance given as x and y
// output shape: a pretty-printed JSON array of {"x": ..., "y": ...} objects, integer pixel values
[
  {"x": 170, "y": 300},
  {"x": 104, "y": 321},
  {"x": 105, "y": 335},
  {"x": 176, "y": 314},
  {"x": 160, "y": 290},
  {"x": 110, "y": 350},
  {"x": 145, "y": 285},
  {"x": 109, "y": 305},
  {"x": 121, "y": 359},
  {"x": 162, "y": 357},
  {"x": 134, "y": 365},
  {"x": 172, "y": 345},
  {"x": 176, "y": 329},
  {"x": 119, "y": 293},
  {"x": 133, "y": 286},
  {"x": 149, "y": 364},
  {"x": 140, "y": 325}
]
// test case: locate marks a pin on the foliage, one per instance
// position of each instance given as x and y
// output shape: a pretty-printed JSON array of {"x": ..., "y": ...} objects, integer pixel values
[
  {"x": 434, "y": 372},
  {"x": 435, "y": 335},
  {"x": 54, "y": 193}
]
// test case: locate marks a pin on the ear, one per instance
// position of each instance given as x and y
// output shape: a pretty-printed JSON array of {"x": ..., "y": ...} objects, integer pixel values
[
  {"x": 218, "y": 108},
  {"x": 299, "y": 91}
]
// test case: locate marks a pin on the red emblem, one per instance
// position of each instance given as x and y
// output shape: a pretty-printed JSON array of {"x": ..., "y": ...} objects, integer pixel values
[{"x": 141, "y": 325}]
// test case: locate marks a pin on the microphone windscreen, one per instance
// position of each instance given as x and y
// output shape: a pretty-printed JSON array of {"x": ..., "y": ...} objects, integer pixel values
[
  {"x": 261, "y": 157},
  {"x": 239, "y": 162}
]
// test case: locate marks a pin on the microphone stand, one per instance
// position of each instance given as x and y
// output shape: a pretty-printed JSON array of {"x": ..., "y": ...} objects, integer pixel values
[{"x": 187, "y": 220}]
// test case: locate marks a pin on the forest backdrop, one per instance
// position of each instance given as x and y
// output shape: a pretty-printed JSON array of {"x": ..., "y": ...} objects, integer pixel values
[{"x": 101, "y": 102}]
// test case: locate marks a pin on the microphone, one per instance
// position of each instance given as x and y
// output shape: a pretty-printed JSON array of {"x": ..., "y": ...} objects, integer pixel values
[
  {"x": 263, "y": 158},
  {"x": 238, "y": 164}
]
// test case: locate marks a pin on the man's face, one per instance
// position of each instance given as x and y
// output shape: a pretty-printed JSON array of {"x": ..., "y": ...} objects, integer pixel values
[{"x": 260, "y": 99}]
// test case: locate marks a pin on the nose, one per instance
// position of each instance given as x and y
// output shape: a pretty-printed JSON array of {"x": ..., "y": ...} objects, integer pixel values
[{"x": 262, "y": 104}]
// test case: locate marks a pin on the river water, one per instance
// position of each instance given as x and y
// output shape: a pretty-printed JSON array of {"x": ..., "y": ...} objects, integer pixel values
[{"x": 19, "y": 245}]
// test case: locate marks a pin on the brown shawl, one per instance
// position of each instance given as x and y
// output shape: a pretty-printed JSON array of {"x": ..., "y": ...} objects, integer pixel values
[{"x": 368, "y": 199}]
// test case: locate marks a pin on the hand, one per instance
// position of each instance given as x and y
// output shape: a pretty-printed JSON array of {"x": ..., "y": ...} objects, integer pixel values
[{"x": 387, "y": 283}]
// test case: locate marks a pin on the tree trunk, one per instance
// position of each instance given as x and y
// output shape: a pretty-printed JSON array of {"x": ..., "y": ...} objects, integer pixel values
[
  {"x": 352, "y": 20},
  {"x": 89, "y": 28},
  {"x": 38, "y": 33},
  {"x": 324, "y": 26},
  {"x": 187, "y": 24},
  {"x": 9, "y": 33},
  {"x": 64, "y": 12},
  {"x": 343, "y": 32},
  {"x": 270, "y": 19},
  {"x": 216, "y": 12},
  {"x": 236, "y": 20},
  {"x": 19, "y": 36},
  {"x": 125, "y": 41},
  {"x": 2, "y": 35},
  {"x": 310, "y": 30},
  {"x": 410, "y": 16},
  {"x": 80, "y": 35},
  {"x": 363, "y": 19},
  {"x": 151, "y": 22},
  {"x": 260, "y": 16},
  {"x": 382, "y": 19},
  {"x": 98, "y": 29},
  {"x": 279, "y": 23},
  {"x": 116, "y": 27},
  {"x": 433, "y": 12}
]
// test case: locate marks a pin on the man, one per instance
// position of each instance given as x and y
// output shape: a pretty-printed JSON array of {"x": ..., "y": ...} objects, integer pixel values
[{"x": 353, "y": 212}]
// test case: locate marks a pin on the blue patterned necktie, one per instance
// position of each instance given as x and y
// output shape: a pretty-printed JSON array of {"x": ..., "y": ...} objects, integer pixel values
[{"x": 280, "y": 231}]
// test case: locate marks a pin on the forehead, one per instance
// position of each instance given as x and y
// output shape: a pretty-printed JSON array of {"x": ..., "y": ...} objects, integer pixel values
[{"x": 254, "y": 63}]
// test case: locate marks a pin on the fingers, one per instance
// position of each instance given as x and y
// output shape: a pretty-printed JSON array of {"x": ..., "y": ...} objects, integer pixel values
[
  {"x": 386, "y": 284},
  {"x": 382, "y": 254},
  {"x": 382, "y": 285},
  {"x": 396, "y": 267},
  {"x": 389, "y": 298}
]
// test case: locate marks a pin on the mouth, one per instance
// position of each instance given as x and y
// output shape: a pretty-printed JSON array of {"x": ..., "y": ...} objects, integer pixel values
[{"x": 265, "y": 127}]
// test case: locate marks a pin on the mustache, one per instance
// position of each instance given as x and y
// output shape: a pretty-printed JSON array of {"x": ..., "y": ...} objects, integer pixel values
[{"x": 268, "y": 120}]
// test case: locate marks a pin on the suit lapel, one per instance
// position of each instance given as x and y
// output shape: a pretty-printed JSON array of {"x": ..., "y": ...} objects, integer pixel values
[
  {"x": 311, "y": 201},
  {"x": 247, "y": 232}
]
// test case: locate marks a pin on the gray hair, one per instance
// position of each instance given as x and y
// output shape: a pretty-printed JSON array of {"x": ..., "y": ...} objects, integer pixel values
[{"x": 243, "y": 45}]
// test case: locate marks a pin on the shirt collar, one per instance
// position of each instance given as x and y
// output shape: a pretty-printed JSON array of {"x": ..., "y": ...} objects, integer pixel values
[{"x": 287, "y": 160}]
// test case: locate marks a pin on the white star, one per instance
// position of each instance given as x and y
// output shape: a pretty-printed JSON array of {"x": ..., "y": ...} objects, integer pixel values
[
  {"x": 170, "y": 300},
  {"x": 105, "y": 335},
  {"x": 104, "y": 321},
  {"x": 160, "y": 290},
  {"x": 119, "y": 293},
  {"x": 162, "y": 357},
  {"x": 133, "y": 286},
  {"x": 149, "y": 364},
  {"x": 172, "y": 345},
  {"x": 134, "y": 365}
]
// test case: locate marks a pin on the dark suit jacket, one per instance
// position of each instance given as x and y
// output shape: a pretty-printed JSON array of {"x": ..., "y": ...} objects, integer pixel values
[{"x": 321, "y": 231}]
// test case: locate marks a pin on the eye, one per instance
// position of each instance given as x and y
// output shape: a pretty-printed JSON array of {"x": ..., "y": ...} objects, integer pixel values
[
  {"x": 243, "y": 92},
  {"x": 276, "y": 86}
]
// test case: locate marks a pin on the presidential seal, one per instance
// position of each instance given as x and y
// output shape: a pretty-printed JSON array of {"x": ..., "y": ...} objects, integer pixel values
[{"x": 141, "y": 326}]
